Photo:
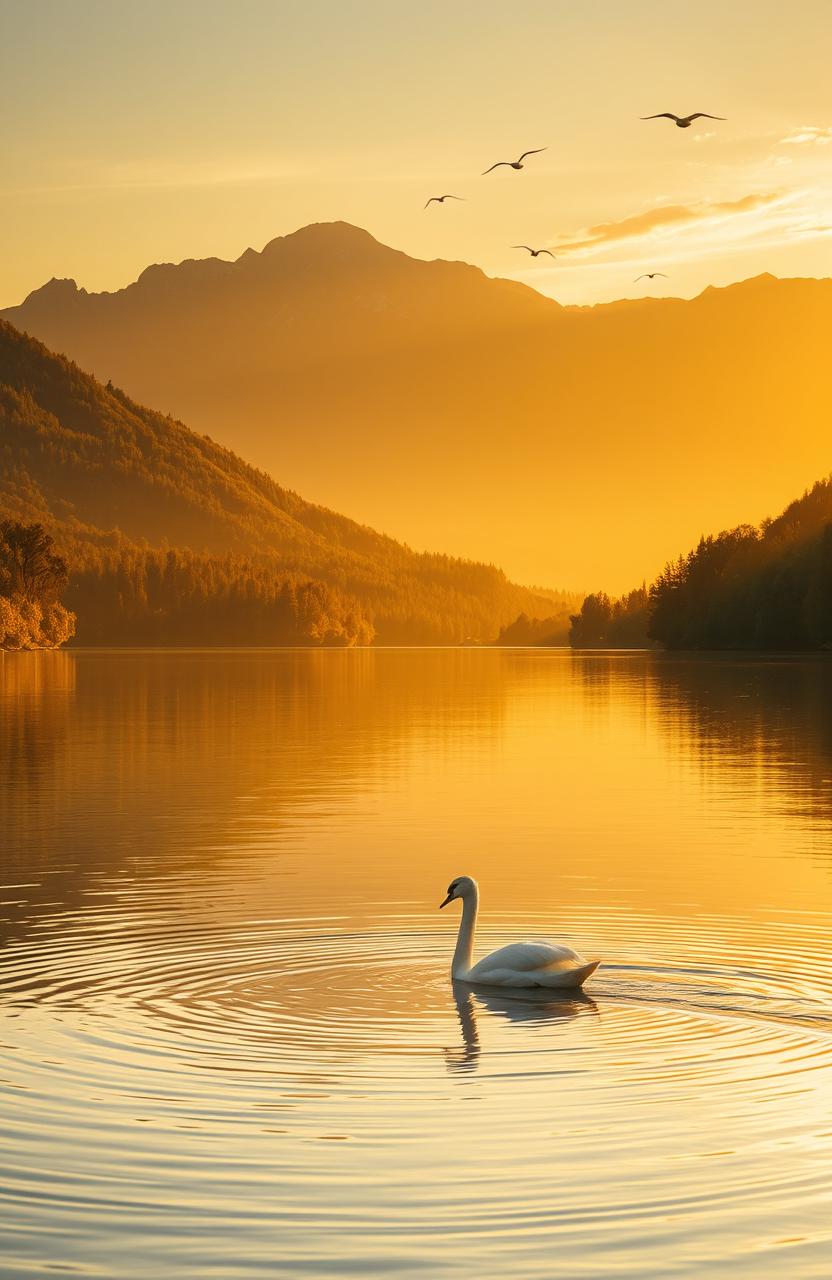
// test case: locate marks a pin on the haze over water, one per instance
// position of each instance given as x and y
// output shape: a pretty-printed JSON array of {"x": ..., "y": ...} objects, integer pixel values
[{"x": 230, "y": 1045}]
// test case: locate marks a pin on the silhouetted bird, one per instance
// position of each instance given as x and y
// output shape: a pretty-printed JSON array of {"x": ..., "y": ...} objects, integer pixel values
[
  {"x": 534, "y": 252},
  {"x": 442, "y": 199},
  {"x": 514, "y": 164},
  {"x": 683, "y": 122},
  {"x": 649, "y": 275}
]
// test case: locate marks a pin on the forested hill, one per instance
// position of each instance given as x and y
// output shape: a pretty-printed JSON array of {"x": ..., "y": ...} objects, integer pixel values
[
  {"x": 753, "y": 588},
  {"x": 111, "y": 478},
  {"x": 745, "y": 588}
]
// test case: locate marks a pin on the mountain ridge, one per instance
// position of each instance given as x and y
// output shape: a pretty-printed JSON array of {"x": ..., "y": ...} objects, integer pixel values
[
  {"x": 69, "y": 287},
  {"x": 344, "y": 236}
]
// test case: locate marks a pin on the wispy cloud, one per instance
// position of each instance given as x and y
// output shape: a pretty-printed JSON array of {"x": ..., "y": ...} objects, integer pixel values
[
  {"x": 808, "y": 136},
  {"x": 643, "y": 224},
  {"x": 141, "y": 175},
  {"x": 214, "y": 173}
]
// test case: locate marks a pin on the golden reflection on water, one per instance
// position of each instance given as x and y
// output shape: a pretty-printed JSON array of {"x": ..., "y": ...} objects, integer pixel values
[{"x": 225, "y": 977}]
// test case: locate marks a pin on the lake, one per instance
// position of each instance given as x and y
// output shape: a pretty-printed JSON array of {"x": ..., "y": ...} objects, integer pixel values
[{"x": 230, "y": 1045}]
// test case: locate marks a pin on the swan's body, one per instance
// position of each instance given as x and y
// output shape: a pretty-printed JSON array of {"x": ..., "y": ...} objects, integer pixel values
[{"x": 520, "y": 964}]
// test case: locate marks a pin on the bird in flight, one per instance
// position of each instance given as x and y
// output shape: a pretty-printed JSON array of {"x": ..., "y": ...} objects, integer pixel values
[
  {"x": 683, "y": 122},
  {"x": 442, "y": 199},
  {"x": 515, "y": 164},
  {"x": 534, "y": 252},
  {"x": 649, "y": 275}
]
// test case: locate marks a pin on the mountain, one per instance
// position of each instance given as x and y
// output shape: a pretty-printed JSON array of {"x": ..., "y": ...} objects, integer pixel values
[
  {"x": 110, "y": 479},
  {"x": 450, "y": 409}
]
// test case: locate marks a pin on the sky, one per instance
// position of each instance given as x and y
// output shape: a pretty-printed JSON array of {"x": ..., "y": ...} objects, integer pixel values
[{"x": 154, "y": 132}]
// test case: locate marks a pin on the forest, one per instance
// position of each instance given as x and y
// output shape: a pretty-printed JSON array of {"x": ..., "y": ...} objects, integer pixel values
[
  {"x": 178, "y": 597},
  {"x": 745, "y": 588},
  {"x": 120, "y": 487}
]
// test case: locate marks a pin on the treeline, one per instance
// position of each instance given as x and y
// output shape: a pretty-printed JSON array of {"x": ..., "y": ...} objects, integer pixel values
[
  {"x": 748, "y": 589},
  {"x": 32, "y": 577},
  {"x": 126, "y": 594},
  {"x": 178, "y": 597},
  {"x": 745, "y": 588},
  {"x": 526, "y": 631},
  {"x": 607, "y": 623}
]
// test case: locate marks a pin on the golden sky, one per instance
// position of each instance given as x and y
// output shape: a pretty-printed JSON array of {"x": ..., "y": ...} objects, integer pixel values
[{"x": 155, "y": 132}]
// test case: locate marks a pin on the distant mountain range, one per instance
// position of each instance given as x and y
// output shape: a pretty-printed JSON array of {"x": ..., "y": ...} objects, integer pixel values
[
  {"x": 104, "y": 474},
  {"x": 582, "y": 445}
]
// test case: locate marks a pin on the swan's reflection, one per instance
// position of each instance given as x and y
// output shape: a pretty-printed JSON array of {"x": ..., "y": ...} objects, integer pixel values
[{"x": 532, "y": 1005}]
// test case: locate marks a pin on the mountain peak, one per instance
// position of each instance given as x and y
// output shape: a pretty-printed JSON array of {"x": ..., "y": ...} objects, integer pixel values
[
  {"x": 339, "y": 242},
  {"x": 55, "y": 291},
  {"x": 326, "y": 233}
]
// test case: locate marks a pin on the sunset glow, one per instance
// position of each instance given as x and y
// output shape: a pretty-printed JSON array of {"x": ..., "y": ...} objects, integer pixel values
[
  {"x": 228, "y": 134},
  {"x": 416, "y": 639}
]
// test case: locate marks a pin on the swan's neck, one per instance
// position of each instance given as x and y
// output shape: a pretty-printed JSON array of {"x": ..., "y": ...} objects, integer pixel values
[{"x": 464, "y": 952}]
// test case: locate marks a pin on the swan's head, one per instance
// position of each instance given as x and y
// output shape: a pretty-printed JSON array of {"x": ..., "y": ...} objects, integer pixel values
[{"x": 461, "y": 887}]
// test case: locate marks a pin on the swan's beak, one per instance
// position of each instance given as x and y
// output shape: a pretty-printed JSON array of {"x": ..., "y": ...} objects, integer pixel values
[{"x": 449, "y": 898}]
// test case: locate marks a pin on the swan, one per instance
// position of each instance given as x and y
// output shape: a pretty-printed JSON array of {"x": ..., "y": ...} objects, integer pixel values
[{"x": 520, "y": 964}]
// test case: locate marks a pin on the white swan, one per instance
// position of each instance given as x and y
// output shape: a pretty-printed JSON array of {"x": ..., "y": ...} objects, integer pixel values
[{"x": 520, "y": 964}]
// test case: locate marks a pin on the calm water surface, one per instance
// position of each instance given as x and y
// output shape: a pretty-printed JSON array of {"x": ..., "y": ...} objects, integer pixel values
[{"x": 229, "y": 1041}]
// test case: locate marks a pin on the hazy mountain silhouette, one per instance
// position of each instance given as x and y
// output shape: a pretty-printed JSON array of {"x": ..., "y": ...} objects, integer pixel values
[
  {"x": 570, "y": 444},
  {"x": 101, "y": 472}
]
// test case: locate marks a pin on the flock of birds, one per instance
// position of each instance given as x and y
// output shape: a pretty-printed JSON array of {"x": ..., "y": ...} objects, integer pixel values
[{"x": 681, "y": 122}]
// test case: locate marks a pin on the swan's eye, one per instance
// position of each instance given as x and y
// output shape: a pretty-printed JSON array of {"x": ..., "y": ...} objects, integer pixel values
[{"x": 452, "y": 887}]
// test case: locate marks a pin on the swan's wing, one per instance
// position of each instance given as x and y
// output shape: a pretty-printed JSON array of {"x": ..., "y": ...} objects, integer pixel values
[
  {"x": 549, "y": 251},
  {"x": 532, "y": 964},
  {"x": 496, "y": 166},
  {"x": 525, "y": 957},
  {"x": 535, "y": 152},
  {"x": 703, "y": 115},
  {"x": 522, "y": 246},
  {"x": 436, "y": 198},
  {"x": 662, "y": 115}
]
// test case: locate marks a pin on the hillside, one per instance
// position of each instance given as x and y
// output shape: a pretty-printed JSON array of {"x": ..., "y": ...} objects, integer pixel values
[
  {"x": 566, "y": 444},
  {"x": 110, "y": 478},
  {"x": 751, "y": 587}
]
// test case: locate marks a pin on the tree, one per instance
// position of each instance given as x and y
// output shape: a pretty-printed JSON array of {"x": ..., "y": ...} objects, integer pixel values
[
  {"x": 591, "y": 625},
  {"x": 29, "y": 568},
  {"x": 31, "y": 578}
]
